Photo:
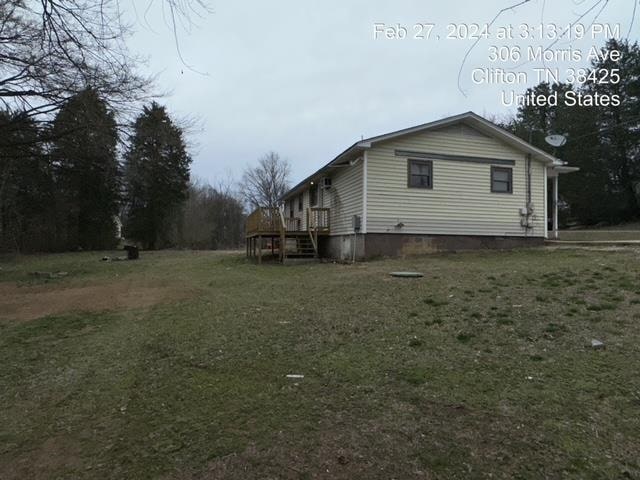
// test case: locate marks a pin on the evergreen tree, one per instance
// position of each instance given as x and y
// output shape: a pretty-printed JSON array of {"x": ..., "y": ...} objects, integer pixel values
[
  {"x": 586, "y": 190},
  {"x": 602, "y": 140},
  {"x": 84, "y": 137},
  {"x": 619, "y": 126},
  {"x": 27, "y": 216},
  {"x": 157, "y": 177}
]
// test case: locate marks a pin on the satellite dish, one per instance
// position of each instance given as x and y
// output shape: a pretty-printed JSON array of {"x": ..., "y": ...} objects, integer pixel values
[{"x": 556, "y": 140}]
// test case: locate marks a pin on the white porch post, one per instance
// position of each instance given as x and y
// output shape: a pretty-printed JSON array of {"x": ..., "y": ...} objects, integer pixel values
[{"x": 555, "y": 206}]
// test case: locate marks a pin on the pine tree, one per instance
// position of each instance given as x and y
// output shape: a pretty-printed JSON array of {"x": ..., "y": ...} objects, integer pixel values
[
  {"x": 157, "y": 177},
  {"x": 602, "y": 140},
  {"x": 619, "y": 126},
  {"x": 585, "y": 191},
  {"x": 534, "y": 123},
  {"x": 84, "y": 137},
  {"x": 27, "y": 216}
]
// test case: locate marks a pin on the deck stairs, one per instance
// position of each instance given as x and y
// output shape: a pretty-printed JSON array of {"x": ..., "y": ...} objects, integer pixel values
[
  {"x": 269, "y": 233},
  {"x": 296, "y": 244},
  {"x": 304, "y": 248}
]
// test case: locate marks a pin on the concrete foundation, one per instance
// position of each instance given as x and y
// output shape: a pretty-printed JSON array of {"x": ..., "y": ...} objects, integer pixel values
[
  {"x": 373, "y": 245},
  {"x": 341, "y": 247}
]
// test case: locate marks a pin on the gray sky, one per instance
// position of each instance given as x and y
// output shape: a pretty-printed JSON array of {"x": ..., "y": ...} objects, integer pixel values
[{"x": 305, "y": 78}]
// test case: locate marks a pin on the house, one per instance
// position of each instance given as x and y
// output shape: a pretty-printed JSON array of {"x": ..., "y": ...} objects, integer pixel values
[{"x": 457, "y": 183}]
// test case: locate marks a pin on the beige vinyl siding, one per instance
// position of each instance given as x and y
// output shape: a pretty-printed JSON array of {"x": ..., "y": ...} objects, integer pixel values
[
  {"x": 461, "y": 201},
  {"x": 345, "y": 197},
  {"x": 302, "y": 215}
]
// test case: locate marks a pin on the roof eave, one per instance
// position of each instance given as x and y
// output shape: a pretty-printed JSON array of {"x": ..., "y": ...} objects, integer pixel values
[
  {"x": 476, "y": 121},
  {"x": 471, "y": 118},
  {"x": 511, "y": 139},
  {"x": 356, "y": 147},
  {"x": 560, "y": 169}
]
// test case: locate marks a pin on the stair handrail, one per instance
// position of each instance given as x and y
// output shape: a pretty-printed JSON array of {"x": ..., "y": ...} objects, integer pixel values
[
  {"x": 311, "y": 229},
  {"x": 283, "y": 236},
  {"x": 283, "y": 225}
]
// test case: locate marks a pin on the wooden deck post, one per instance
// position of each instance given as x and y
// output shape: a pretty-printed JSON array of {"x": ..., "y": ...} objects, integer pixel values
[
  {"x": 283, "y": 247},
  {"x": 259, "y": 249}
]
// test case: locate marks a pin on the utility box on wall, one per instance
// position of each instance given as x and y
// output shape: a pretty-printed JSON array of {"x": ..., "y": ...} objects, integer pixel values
[{"x": 357, "y": 223}]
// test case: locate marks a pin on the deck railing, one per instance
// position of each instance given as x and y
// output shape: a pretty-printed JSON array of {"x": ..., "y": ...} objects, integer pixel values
[
  {"x": 263, "y": 220},
  {"x": 319, "y": 219},
  {"x": 270, "y": 221},
  {"x": 292, "y": 224}
]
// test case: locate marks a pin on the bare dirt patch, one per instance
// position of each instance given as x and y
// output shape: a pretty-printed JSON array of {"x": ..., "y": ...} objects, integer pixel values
[
  {"x": 56, "y": 454},
  {"x": 30, "y": 303}
]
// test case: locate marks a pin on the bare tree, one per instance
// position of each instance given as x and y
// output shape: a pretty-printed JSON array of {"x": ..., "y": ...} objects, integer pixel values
[
  {"x": 264, "y": 184},
  {"x": 50, "y": 50},
  {"x": 212, "y": 218}
]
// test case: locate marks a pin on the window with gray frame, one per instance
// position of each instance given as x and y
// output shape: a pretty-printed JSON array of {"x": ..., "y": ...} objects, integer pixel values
[
  {"x": 420, "y": 173},
  {"x": 300, "y": 202},
  {"x": 501, "y": 180}
]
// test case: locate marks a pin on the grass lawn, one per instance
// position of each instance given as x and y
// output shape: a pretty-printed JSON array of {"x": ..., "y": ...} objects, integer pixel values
[
  {"x": 622, "y": 232},
  {"x": 174, "y": 367},
  {"x": 599, "y": 235}
]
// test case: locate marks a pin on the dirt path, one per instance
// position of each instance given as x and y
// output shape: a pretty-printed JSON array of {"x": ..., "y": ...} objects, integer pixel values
[{"x": 29, "y": 303}]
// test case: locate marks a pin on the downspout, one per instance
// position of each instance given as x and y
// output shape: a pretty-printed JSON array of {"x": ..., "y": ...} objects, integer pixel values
[
  {"x": 363, "y": 228},
  {"x": 365, "y": 161},
  {"x": 353, "y": 249},
  {"x": 545, "y": 203},
  {"x": 555, "y": 205},
  {"x": 529, "y": 180},
  {"x": 528, "y": 213}
]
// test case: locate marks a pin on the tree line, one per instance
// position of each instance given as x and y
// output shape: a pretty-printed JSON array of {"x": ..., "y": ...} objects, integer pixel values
[
  {"x": 78, "y": 154},
  {"x": 604, "y": 141},
  {"x": 66, "y": 186}
]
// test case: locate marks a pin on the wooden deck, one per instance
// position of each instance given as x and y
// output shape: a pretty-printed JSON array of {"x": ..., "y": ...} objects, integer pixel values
[
  {"x": 268, "y": 228},
  {"x": 267, "y": 221}
]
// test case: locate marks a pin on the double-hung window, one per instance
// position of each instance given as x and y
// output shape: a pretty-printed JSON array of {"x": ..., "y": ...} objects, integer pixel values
[
  {"x": 501, "y": 180},
  {"x": 420, "y": 174}
]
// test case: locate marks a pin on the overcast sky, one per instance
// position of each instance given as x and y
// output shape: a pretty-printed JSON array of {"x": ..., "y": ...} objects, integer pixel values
[{"x": 306, "y": 78}]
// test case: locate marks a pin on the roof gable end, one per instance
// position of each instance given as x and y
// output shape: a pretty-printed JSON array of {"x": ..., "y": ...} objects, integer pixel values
[{"x": 477, "y": 124}]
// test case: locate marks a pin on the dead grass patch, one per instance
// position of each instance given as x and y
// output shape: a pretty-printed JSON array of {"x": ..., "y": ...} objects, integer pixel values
[
  {"x": 59, "y": 453},
  {"x": 29, "y": 303}
]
